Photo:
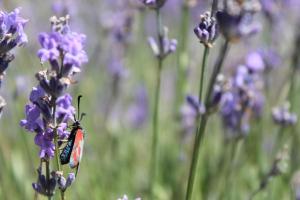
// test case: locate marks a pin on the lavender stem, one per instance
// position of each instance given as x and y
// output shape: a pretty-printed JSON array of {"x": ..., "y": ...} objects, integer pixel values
[
  {"x": 62, "y": 194},
  {"x": 201, "y": 127},
  {"x": 182, "y": 59},
  {"x": 48, "y": 175},
  {"x": 154, "y": 149},
  {"x": 205, "y": 55}
]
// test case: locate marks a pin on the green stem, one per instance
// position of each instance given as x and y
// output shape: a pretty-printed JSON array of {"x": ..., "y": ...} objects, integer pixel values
[
  {"x": 205, "y": 55},
  {"x": 56, "y": 152},
  {"x": 155, "y": 125},
  {"x": 201, "y": 127},
  {"x": 182, "y": 57},
  {"x": 48, "y": 175}
]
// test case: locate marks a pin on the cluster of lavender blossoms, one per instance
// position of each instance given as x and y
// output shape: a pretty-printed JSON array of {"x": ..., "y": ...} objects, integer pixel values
[
  {"x": 242, "y": 99},
  {"x": 189, "y": 112},
  {"x": 236, "y": 20},
  {"x": 11, "y": 35},
  {"x": 206, "y": 31},
  {"x": 282, "y": 116},
  {"x": 50, "y": 110},
  {"x": 167, "y": 47}
]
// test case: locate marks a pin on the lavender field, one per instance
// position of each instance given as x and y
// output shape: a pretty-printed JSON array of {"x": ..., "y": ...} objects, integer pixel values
[{"x": 150, "y": 99}]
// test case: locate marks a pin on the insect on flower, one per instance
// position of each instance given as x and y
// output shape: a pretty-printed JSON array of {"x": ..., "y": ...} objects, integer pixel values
[{"x": 72, "y": 152}]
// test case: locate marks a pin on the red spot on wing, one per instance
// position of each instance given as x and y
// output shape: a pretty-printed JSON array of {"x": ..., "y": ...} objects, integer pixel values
[{"x": 77, "y": 149}]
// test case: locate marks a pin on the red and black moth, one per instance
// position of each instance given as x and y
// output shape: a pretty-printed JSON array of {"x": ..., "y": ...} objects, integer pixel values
[{"x": 72, "y": 152}]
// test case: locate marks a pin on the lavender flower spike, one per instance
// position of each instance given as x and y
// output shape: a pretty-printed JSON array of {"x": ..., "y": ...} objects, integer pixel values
[
  {"x": 236, "y": 21},
  {"x": 11, "y": 35},
  {"x": 206, "y": 31},
  {"x": 169, "y": 45},
  {"x": 283, "y": 117}
]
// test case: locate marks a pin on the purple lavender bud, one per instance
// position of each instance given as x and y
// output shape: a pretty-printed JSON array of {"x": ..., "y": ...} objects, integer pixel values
[
  {"x": 44, "y": 186},
  {"x": 70, "y": 179},
  {"x": 154, "y": 4},
  {"x": 36, "y": 94},
  {"x": 194, "y": 102},
  {"x": 283, "y": 117},
  {"x": 255, "y": 62},
  {"x": 49, "y": 45},
  {"x": 168, "y": 45},
  {"x": 206, "y": 30},
  {"x": 64, "y": 111},
  {"x": 61, "y": 181},
  {"x": 188, "y": 117},
  {"x": 45, "y": 142}
]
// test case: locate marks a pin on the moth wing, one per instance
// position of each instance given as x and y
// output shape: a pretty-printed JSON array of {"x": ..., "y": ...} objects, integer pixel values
[{"x": 77, "y": 149}]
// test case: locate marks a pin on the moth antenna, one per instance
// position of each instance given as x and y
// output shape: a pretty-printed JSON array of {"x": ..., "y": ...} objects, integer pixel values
[
  {"x": 74, "y": 117},
  {"x": 82, "y": 115},
  {"x": 78, "y": 106}
]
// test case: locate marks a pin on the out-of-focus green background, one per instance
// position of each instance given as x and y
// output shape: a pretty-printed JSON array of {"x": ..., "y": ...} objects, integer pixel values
[{"x": 116, "y": 155}]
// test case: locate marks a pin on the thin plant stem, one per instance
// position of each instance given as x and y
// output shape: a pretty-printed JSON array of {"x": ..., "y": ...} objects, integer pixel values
[
  {"x": 291, "y": 97},
  {"x": 154, "y": 157},
  {"x": 205, "y": 55},
  {"x": 48, "y": 175},
  {"x": 155, "y": 124},
  {"x": 203, "y": 121},
  {"x": 182, "y": 57},
  {"x": 56, "y": 152}
]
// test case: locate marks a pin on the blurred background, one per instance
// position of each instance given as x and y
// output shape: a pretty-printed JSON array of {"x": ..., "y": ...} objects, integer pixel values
[{"x": 117, "y": 86}]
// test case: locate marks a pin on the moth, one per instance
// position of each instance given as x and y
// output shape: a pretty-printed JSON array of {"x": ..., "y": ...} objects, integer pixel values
[{"x": 72, "y": 152}]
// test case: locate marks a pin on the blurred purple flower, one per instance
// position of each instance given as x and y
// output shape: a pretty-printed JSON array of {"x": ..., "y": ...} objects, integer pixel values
[
  {"x": 63, "y": 184},
  {"x": 236, "y": 21},
  {"x": 270, "y": 58},
  {"x": 12, "y": 29},
  {"x": 189, "y": 113},
  {"x": 169, "y": 45},
  {"x": 242, "y": 101},
  {"x": 206, "y": 31},
  {"x": 194, "y": 102},
  {"x": 11, "y": 35},
  {"x": 282, "y": 116},
  {"x": 138, "y": 112},
  {"x": 255, "y": 62}
]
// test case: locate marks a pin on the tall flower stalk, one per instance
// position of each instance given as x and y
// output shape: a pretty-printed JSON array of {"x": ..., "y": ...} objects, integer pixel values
[
  {"x": 12, "y": 35},
  {"x": 161, "y": 49},
  {"x": 202, "y": 125},
  {"x": 50, "y": 110},
  {"x": 182, "y": 54},
  {"x": 233, "y": 27}
]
